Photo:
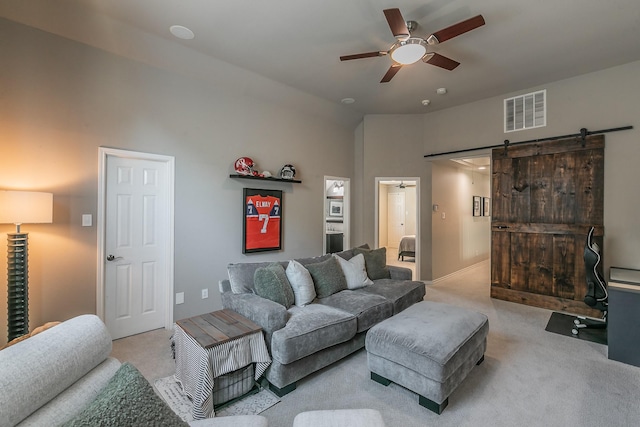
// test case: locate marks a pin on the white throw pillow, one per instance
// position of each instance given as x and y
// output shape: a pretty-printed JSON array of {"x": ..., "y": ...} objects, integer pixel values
[
  {"x": 355, "y": 272},
  {"x": 301, "y": 282}
]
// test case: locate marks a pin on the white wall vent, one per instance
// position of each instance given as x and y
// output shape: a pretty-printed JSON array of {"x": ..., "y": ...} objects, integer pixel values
[{"x": 525, "y": 111}]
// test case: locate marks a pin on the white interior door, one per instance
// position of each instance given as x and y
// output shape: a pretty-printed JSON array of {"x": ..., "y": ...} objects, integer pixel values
[
  {"x": 137, "y": 252},
  {"x": 396, "y": 219}
]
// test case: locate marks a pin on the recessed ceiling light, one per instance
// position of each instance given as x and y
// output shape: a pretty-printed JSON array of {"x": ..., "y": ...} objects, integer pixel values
[
  {"x": 181, "y": 32},
  {"x": 441, "y": 90},
  {"x": 347, "y": 100},
  {"x": 426, "y": 102}
]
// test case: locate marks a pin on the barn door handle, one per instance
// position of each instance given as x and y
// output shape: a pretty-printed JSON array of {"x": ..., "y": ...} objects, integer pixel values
[
  {"x": 501, "y": 227},
  {"x": 113, "y": 258}
]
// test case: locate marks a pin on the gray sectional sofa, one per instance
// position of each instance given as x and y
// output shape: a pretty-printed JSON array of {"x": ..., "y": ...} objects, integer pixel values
[{"x": 304, "y": 338}]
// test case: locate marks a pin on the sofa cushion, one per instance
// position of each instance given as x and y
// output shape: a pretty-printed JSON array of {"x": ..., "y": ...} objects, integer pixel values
[
  {"x": 36, "y": 370},
  {"x": 271, "y": 282},
  {"x": 310, "y": 329},
  {"x": 75, "y": 398},
  {"x": 328, "y": 277},
  {"x": 368, "y": 309},
  {"x": 376, "y": 262},
  {"x": 401, "y": 293},
  {"x": 128, "y": 399},
  {"x": 354, "y": 271},
  {"x": 313, "y": 260},
  {"x": 349, "y": 253},
  {"x": 301, "y": 283},
  {"x": 241, "y": 276}
]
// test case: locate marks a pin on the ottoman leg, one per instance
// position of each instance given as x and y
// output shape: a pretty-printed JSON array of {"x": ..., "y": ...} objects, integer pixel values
[
  {"x": 431, "y": 405},
  {"x": 282, "y": 391},
  {"x": 380, "y": 379}
]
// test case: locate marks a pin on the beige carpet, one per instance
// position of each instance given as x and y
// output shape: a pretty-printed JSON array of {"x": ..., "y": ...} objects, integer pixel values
[{"x": 530, "y": 377}]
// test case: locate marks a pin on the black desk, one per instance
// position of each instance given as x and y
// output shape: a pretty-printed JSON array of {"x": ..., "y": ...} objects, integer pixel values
[{"x": 624, "y": 315}]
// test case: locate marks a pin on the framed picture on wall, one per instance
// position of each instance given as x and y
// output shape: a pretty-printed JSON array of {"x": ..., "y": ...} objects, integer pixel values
[
  {"x": 477, "y": 208},
  {"x": 335, "y": 208},
  {"x": 486, "y": 206},
  {"x": 262, "y": 220}
]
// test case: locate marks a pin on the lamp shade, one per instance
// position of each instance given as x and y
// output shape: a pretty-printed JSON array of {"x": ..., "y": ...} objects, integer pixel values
[{"x": 25, "y": 207}]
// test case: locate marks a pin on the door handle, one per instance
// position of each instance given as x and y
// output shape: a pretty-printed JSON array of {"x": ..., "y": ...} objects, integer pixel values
[
  {"x": 501, "y": 227},
  {"x": 113, "y": 258}
]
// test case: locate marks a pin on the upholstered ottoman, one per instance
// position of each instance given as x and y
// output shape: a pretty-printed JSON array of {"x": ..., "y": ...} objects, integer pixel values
[{"x": 428, "y": 348}]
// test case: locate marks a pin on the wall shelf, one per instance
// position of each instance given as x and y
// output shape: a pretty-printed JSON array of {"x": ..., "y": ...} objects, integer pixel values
[
  {"x": 336, "y": 219},
  {"x": 260, "y": 178}
]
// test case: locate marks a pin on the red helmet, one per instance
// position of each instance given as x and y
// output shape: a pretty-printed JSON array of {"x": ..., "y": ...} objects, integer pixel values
[{"x": 244, "y": 166}]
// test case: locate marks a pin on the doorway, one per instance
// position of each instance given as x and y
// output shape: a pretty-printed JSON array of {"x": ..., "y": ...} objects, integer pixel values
[
  {"x": 336, "y": 218},
  {"x": 397, "y": 221},
  {"x": 135, "y": 241},
  {"x": 461, "y": 237}
]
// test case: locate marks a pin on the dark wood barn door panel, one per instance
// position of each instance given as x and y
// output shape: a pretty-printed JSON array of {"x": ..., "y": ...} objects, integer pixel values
[{"x": 545, "y": 198}]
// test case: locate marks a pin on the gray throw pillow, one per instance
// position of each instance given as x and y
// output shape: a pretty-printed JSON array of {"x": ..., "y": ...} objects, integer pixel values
[
  {"x": 127, "y": 400},
  {"x": 271, "y": 283},
  {"x": 376, "y": 262},
  {"x": 328, "y": 277}
]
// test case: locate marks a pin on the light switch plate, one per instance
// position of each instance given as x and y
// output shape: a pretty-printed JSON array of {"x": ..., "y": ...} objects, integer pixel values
[
  {"x": 87, "y": 220},
  {"x": 180, "y": 298}
]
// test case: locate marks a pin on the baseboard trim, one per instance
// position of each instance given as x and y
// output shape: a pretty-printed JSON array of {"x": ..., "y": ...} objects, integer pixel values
[{"x": 471, "y": 267}]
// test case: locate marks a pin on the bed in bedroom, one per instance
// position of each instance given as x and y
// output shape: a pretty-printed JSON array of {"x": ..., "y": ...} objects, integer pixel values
[{"x": 407, "y": 247}]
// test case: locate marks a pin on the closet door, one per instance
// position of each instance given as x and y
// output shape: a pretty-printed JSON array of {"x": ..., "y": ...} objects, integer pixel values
[{"x": 545, "y": 198}]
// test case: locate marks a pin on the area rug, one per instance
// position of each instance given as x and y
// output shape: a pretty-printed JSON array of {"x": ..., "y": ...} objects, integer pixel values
[
  {"x": 252, "y": 404},
  {"x": 560, "y": 323}
]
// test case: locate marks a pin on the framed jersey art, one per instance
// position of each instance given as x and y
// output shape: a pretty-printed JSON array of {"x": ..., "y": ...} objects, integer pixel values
[{"x": 262, "y": 226}]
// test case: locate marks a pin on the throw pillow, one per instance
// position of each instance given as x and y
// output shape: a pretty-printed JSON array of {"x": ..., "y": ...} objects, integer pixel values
[
  {"x": 128, "y": 399},
  {"x": 328, "y": 277},
  {"x": 376, "y": 262},
  {"x": 271, "y": 283},
  {"x": 301, "y": 282},
  {"x": 241, "y": 276},
  {"x": 354, "y": 271}
]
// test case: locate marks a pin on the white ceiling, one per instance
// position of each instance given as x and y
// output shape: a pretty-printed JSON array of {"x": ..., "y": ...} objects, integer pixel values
[{"x": 524, "y": 43}]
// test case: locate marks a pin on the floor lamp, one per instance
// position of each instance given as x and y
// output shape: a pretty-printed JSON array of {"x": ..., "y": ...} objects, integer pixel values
[{"x": 21, "y": 207}]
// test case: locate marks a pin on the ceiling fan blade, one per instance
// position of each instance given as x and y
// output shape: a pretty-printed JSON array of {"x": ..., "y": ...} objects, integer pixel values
[
  {"x": 397, "y": 24},
  {"x": 459, "y": 28},
  {"x": 440, "y": 61},
  {"x": 362, "y": 55},
  {"x": 391, "y": 72}
]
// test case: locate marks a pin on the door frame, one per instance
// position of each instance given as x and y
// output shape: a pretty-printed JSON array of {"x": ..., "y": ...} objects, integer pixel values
[
  {"x": 103, "y": 154},
  {"x": 376, "y": 221},
  {"x": 346, "y": 211}
]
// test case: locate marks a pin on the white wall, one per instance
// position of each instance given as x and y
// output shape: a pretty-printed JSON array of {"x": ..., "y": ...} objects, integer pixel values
[
  {"x": 390, "y": 148},
  {"x": 61, "y": 100}
]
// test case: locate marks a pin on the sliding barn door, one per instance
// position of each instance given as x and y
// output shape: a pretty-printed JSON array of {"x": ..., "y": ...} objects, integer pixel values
[{"x": 545, "y": 198}]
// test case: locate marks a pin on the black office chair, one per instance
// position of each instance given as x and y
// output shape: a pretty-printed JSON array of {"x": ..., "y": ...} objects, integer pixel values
[{"x": 597, "y": 296}]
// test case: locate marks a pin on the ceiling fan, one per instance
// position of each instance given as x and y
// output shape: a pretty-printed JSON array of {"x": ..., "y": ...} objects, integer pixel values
[
  {"x": 403, "y": 185},
  {"x": 408, "y": 49}
]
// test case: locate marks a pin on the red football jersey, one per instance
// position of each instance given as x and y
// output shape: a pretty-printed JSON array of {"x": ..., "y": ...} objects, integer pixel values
[{"x": 263, "y": 222}]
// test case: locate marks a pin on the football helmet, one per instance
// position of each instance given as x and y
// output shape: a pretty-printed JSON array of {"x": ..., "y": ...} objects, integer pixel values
[
  {"x": 244, "y": 166},
  {"x": 287, "y": 172}
]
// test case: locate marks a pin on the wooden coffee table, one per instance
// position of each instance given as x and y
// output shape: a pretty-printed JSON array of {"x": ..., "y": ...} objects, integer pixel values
[
  {"x": 211, "y": 345},
  {"x": 219, "y": 327}
]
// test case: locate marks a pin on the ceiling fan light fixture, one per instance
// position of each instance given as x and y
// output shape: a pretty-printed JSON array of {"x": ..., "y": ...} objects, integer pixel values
[{"x": 409, "y": 51}]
